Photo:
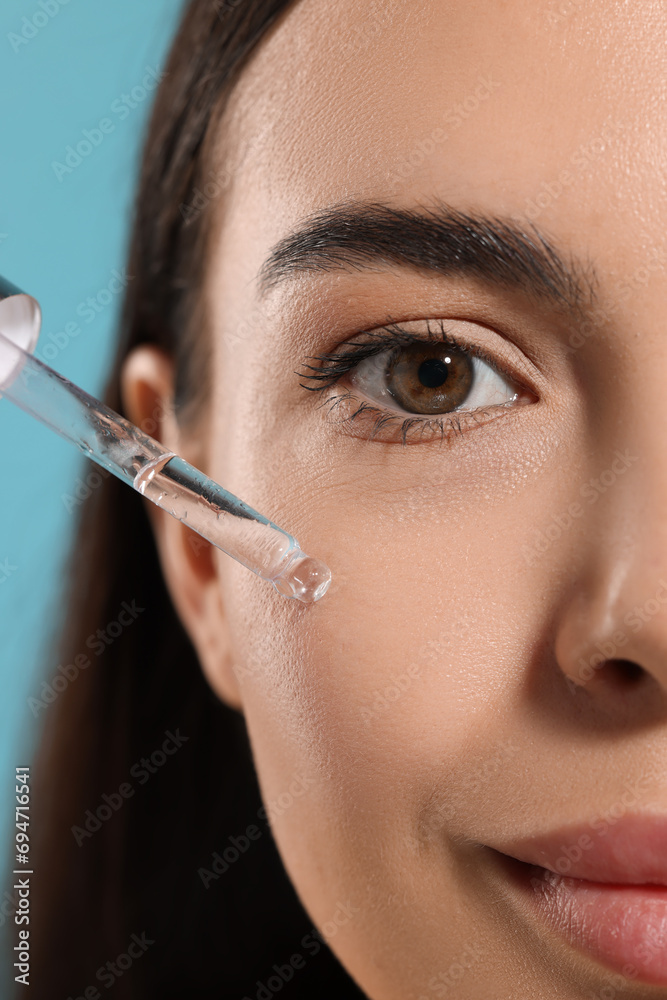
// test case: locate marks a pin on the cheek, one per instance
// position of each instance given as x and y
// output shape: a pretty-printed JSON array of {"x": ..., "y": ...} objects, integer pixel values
[
  {"x": 376, "y": 691},
  {"x": 365, "y": 713}
]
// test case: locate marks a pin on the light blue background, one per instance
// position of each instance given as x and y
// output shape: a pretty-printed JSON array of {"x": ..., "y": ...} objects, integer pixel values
[{"x": 60, "y": 240}]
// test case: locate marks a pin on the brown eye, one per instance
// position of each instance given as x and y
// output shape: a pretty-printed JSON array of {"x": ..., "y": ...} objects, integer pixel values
[{"x": 429, "y": 378}]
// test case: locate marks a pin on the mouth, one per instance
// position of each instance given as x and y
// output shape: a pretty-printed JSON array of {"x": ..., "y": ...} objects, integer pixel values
[{"x": 604, "y": 893}]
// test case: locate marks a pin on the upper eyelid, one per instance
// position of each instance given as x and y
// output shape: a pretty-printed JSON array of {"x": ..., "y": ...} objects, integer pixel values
[
  {"x": 452, "y": 342},
  {"x": 527, "y": 374}
]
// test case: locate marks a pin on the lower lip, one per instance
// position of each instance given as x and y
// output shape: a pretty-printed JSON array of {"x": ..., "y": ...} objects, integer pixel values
[{"x": 623, "y": 926}]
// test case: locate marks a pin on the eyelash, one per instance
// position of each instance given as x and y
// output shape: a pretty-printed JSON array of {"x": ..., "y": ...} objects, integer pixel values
[{"x": 333, "y": 366}]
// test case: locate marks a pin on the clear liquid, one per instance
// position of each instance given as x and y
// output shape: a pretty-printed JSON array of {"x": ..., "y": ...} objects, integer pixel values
[{"x": 306, "y": 578}]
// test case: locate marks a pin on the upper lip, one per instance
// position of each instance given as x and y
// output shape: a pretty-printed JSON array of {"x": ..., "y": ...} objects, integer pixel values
[{"x": 631, "y": 850}]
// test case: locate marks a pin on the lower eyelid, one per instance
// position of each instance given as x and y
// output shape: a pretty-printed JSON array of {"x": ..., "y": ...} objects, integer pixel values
[{"x": 411, "y": 429}]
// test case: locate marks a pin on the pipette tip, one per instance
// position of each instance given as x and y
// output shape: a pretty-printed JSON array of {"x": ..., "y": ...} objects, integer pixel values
[{"x": 305, "y": 579}]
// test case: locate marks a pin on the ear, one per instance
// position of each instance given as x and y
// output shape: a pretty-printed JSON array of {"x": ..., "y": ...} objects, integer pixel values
[{"x": 187, "y": 559}]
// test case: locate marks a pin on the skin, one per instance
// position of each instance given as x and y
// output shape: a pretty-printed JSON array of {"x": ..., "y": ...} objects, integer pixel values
[{"x": 490, "y": 740}]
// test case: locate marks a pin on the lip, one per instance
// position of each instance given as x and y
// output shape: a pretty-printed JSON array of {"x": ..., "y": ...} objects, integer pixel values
[
  {"x": 602, "y": 887},
  {"x": 631, "y": 852}
]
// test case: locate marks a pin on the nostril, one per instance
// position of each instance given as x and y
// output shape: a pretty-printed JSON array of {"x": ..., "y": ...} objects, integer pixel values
[
  {"x": 617, "y": 672},
  {"x": 626, "y": 671}
]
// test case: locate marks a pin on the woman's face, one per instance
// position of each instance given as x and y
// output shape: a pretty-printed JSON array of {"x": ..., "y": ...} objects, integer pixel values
[{"x": 489, "y": 664}]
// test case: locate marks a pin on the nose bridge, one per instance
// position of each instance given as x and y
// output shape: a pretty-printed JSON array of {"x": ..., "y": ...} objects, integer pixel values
[
  {"x": 628, "y": 500},
  {"x": 625, "y": 494},
  {"x": 638, "y": 513}
]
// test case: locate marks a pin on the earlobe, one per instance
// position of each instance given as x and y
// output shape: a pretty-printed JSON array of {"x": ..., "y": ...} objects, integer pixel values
[
  {"x": 187, "y": 559},
  {"x": 214, "y": 646}
]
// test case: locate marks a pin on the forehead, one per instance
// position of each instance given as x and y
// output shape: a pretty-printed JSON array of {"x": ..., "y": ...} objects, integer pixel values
[{"x": 525, "y": 108}]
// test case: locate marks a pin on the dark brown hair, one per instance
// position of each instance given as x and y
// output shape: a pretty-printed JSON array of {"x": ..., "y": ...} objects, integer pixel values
[{"x": 134, "y": 866}]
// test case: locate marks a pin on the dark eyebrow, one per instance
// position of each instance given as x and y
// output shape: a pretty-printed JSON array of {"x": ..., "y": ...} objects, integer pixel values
[{"x": 438, "y": 239}]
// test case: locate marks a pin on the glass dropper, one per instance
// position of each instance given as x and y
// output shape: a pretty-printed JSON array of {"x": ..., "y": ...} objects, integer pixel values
[{"x": 170, "y": 482}]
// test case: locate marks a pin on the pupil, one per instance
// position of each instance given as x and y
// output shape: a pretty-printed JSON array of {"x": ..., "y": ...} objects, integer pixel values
[{"x": 432, "y": 373}]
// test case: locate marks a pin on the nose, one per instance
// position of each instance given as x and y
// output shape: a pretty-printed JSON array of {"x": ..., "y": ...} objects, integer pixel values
[{"x": 612, "y": 627}]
